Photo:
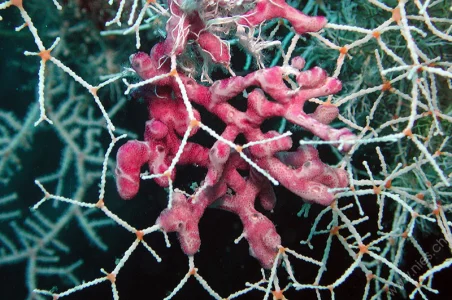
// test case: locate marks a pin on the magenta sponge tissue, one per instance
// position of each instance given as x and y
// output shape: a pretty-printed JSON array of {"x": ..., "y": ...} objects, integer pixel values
[{"x": 301, "y": 171}]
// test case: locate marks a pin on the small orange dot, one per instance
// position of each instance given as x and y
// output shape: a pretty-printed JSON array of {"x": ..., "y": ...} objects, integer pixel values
[
  {"x": 93, "y": 90},
  {"x": 100, "y": 203},
  {"x": 334, "y": 230},
  {"x": 386, "y": 86},
  {"x": 388, "y": 184},
  {"x": 377, "y": 190},
  {"x": 111, "y": 277},
  {"x": 376, "y": 34},
  {"x": 420, "y": 196},
  {"x": 45, "y": 55},
  {"x": 343, "y": 50},
  {"x": 17, "y": 3},
  {"x": 278, "y": 295},
  {"x": 396, "y": 14},
  {"x": 363, "y": 248},
  {"x": 192, "y": 272},
  {"x": 408, "y": 132},
  {"x": 139, "y": 235},
  {"x": 194, "y": 123}
]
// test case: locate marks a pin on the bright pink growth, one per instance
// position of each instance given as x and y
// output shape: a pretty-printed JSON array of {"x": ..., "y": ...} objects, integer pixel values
[
  {"x": 270, "y": 9},
  {"x": 301, "y": 171}
]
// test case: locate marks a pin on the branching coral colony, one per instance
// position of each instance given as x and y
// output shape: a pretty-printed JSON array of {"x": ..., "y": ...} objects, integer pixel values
[{"x": 395, "y": 108}]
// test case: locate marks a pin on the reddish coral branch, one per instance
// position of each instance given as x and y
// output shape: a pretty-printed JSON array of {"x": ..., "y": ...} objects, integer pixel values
[{"x": 300, "y": 171}]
